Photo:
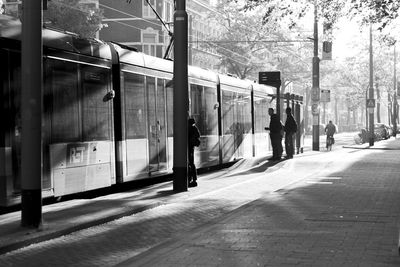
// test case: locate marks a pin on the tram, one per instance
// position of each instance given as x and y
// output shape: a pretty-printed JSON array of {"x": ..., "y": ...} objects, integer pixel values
[{"x": 108, "y": 114}]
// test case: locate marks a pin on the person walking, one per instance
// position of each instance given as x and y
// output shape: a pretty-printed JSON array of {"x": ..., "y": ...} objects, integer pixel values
[
  {"x": 275, "y": 133},
  {"x": 290, "y": 130},
  {"x": 330, "y": 130},
  {"x": 193, "y": 140}
]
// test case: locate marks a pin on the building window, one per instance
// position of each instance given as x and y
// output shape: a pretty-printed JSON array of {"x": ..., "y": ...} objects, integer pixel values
[
  {"x": 149, "y": 49},
  {"x": 168, "y": 12},
  {"x": 149, "y": 37},
  {"x": 149, "y": 42},
  {"x": 147, "y": 11}
]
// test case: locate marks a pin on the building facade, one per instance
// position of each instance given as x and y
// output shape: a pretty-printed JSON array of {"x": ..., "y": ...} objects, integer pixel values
[{"x": 136, "y": 24}]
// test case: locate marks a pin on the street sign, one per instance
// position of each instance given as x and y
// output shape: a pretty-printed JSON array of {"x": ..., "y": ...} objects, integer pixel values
[
  {"x": 315, "y": 109},
  {"x": 327, "y": 50},
  {"x": 272, "y": 78},
  {"x": 325, "y": 95},
  {"x": 370, "y": 103},
  {"x": 315, "y": 94}
]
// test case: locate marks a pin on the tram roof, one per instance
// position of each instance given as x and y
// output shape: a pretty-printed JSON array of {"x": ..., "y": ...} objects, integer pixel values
[
  {"x": 234, "y": 82},
  {"x": 202, "y": 74},
  {"x": 10, "y": 28},
  {"x": 133, "y": 57},
  {"x": 263, "y": 89}
]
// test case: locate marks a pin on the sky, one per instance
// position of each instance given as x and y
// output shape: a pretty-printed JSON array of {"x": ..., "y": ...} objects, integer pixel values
[{"x": 345, "y": 35}]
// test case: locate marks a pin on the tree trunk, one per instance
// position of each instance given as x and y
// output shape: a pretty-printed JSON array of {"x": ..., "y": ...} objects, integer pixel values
[
  {"x": 389, "y": 110},
  {"x": 362, "y": 114},
  {"x": 378, "y": 113},
  {"x": 348, "y": 116},
  {"x": 378, "y": 105},
  {"x": 336, "y": 110},
  {"x": 305, "y": 108}
]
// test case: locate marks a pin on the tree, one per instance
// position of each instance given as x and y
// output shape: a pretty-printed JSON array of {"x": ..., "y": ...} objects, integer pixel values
[
  {"x": 381, "y": 12},
  {"x": 73, "y": 16},
  {"x": 248, "y": 45},
  {"x": 239, "y": 45}
]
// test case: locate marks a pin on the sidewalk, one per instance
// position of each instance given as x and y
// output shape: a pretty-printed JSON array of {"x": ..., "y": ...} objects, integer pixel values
[
  {"x": 388, "y": 144},
  {"x": 312, "y": 210},
  {"x": 348, "y": 215},
  {"x": 70, "y": 216}
]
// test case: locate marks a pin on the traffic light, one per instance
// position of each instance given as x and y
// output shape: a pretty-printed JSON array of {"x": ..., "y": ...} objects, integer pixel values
[{"x": 327, "y": 50}]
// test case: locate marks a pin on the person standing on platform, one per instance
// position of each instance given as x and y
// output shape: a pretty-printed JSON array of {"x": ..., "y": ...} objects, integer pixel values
[
  {"x": 275, "y": 133},
  {"x": 193, "y": 140},
  {"x": 290, "y": 130}
]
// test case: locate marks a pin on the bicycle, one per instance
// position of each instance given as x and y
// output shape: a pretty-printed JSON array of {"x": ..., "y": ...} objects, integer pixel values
[{"x": 329, "y": 142}]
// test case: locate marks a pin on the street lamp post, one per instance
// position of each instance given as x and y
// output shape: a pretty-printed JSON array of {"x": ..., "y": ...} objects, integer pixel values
[
  {"x": 395, "y": 93},
  {"x": 31, "y": 109},
  {"x": 315, "y": 91},
  {"x": 371, "y": 90},
  {"x": 181, "y": 97}
]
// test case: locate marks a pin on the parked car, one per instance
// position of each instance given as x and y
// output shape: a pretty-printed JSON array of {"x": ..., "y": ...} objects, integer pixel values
[
  {"x": 381, "y": 131},
  {"x": 397, "y": 128},
  {"x": 361, "y": 137},
  {"x": 390, "y": 130}
]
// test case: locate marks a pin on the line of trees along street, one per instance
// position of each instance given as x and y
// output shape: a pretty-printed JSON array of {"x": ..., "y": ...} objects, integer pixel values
[
  {"x": 261, "y": 35},
  {"x": 350, "y": 79}
]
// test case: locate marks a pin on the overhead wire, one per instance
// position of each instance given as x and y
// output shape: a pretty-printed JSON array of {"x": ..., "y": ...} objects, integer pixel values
[
  {"x": 210, "y": 42},
  {"x": 130, "y": 15},
  {"x": 164, "y": 35}
]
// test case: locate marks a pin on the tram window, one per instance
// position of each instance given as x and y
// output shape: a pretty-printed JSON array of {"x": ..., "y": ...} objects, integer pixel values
[
  {"x": 245, "y": 109},
  {"x": 170, "y": 107},
  {"x": 135, "y": 107},
  {"x": 65, "y": 103},
  {"x": 11, "y": 90},
  {"x": 161, "y": 105},
  {"x": 202, "y": 102},
  {"x": 4, "y": 110},
  {"x": 228, "y": 106},
  {"x": 151, "y": 104},
  {"x": 209, "y": 112},
  {"x": 95, "y": 112},
  {"x": 196, "y": 106},
  {"x": 260, "y": 114}
]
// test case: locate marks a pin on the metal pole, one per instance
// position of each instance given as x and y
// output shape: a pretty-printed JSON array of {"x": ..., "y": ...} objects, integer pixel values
[
  {"x": 278, "y": 101},
  {"x": 395, "y": 93},
  {"x": 371, "y": 89},
  {"x": 31, "y": 105},
  {"x": 366, "y": 112},
  {"x": 298, "y": 120},
  {"x": 181, "y": 97},
  {"x": 315, "y": 81}
]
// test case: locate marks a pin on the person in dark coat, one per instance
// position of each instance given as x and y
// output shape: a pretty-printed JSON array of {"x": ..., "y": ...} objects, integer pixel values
[
  {"x": 193, "y": 140},
  {"x": 330, "y": 130},
  {"x": 275, "y": 133},
  {"x": 290, "y": 130}
]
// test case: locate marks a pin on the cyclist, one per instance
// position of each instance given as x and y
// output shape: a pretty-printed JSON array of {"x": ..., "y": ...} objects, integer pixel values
[{"x": 330, "y": 130}]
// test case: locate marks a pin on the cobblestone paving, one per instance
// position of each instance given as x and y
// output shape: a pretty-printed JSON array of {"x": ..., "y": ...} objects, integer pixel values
[
  {"x": 111, "y": 243},
  {"x": 291, "y": 214},
  {"x": 352, "y": 221}
]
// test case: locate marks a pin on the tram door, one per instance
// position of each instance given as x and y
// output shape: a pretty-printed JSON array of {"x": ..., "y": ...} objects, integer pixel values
[{"x": 157, "y": 134}]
